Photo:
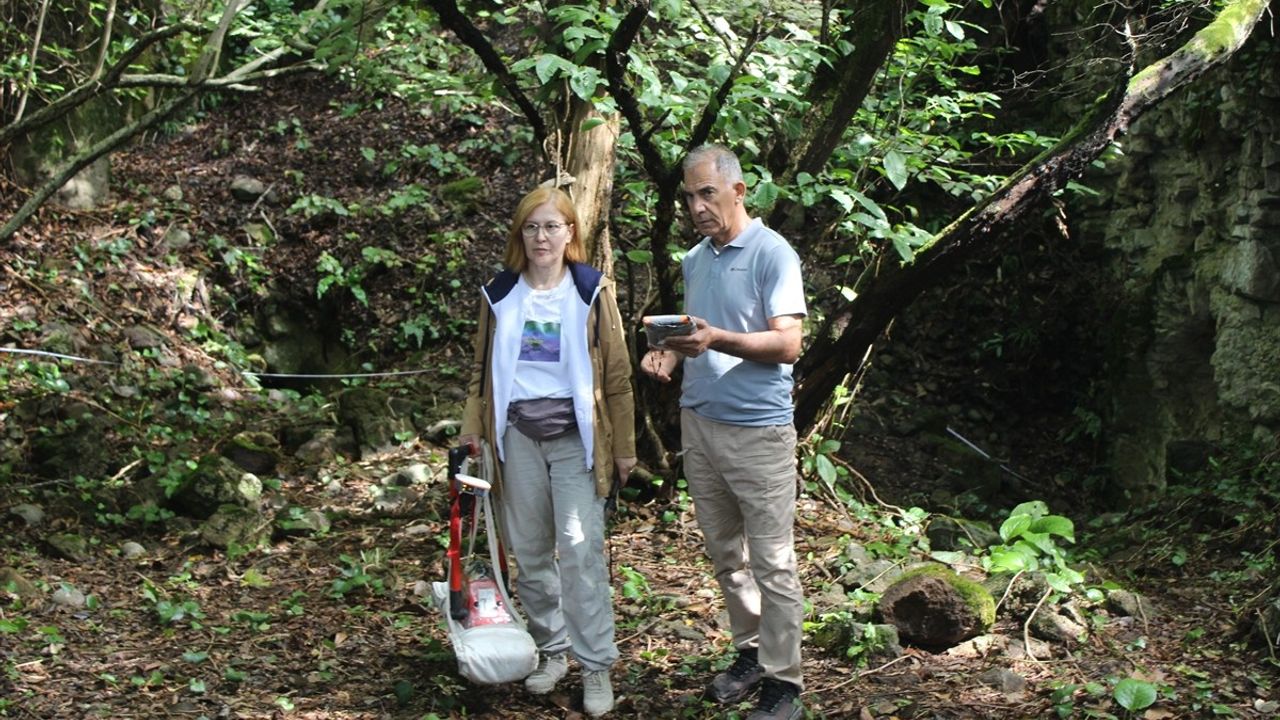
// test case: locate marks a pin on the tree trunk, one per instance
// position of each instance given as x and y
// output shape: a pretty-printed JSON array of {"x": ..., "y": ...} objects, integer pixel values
[
  {"x": 829, "y": 359},
  {"x": 590, "y": 157}
]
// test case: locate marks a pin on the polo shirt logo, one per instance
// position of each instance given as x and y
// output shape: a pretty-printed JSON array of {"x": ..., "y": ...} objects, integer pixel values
[{"x": 741, "y": 269}]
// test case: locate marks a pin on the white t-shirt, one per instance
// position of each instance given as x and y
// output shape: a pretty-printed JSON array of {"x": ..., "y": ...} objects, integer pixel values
[{"x": 542, "y": 370}]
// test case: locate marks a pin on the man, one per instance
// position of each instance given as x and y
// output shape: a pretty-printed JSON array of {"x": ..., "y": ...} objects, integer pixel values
[{"x": 744, "y": 291}]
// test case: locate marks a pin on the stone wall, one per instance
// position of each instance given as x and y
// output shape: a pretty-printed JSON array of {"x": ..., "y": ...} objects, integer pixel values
[{"x": 1190, "y": 216}]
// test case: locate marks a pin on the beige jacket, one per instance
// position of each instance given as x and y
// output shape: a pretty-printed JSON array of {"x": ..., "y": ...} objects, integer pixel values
[{"x": 614, "y": 402}]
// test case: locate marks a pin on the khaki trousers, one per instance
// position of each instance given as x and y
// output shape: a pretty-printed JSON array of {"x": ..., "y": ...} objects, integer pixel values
[{"x": 743, "y": 483}]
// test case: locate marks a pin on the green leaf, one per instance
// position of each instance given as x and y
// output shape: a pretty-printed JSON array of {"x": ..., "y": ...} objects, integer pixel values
[
  {"x": 1058, "y": 583},
  {"x": 766, "y": 193},
  {"x": 549, "y": 65},
  {"x": 895, "y": 168},
  {"x": 1007, "y": 561},
  {"x": 903, "y": 247},
  {"x": 195, "y": 657},
  {"x": 583, "y": 82},
  {"x": 826, "y": 469},
  {"x": 641, "y": 257},
  {"x": 1055, "y": 525},
  {"x": 1035, "y": 509},
  {"x": 1134, "y": 695},
  {"x": 1014, "y": 526},
  {"x": 591, "y": 123}
]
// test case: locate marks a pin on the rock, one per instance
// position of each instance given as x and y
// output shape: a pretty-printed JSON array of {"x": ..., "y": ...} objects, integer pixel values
[
  {"x": 199, "y": 378},
  {"x": 175, "y": 238},
  {"x": 216, "y": 480},
  {"x": 87, "y": 188},
  {"x": 1004, "y": 680},
  {"x": 878, "y": 642},
  {"x": 415, "y": 474},
  {"x": 1125, "y": 602},
  {"x": 1052, "y": 625},
  {"x": 256, "y": 452},
  {"x": 68, "y": 596},
  {"x": 141, "y": 337},
  {"x": 947, "y": 533},
  {"x": 875, "y": 576},
  {"x": 373, "y": 418},
  {"x": 326, "y": 445},
  {"x": 68, "y": 546},
  {"x": 132, "y": 551},
  {"x": 247, "y": 189},
  {"x": 933, "y": 607},
  {"x": 12, "y": 581},
  {"x": 173, "y": 193},
  {"x": 259, "y": 233},
  {"x": 301, "y": 521},
  {"x": 236, "y": 525},
  {"x": 32, "y": 515},
  {"x": 1251, "y": 270}
]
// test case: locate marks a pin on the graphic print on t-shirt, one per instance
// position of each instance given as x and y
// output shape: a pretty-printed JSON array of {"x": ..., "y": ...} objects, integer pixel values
[{"x": 540, "y": 342}]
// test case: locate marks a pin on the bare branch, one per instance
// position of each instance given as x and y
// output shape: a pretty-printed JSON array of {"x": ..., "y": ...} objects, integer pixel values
[
  {"x": 35, "y": 52},
  {"x": 107, "y": 25}
]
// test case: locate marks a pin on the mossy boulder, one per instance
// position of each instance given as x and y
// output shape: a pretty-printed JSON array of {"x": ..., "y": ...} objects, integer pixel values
[
  {"x": 236, "y": 525},
  {"x": 257, "y": 452},
  {"x": 216, "y": 481},
  {"x": 933, "y": 607}
]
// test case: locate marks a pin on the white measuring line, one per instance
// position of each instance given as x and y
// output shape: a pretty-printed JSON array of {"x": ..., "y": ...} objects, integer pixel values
[{"x": 313, "y": 376}]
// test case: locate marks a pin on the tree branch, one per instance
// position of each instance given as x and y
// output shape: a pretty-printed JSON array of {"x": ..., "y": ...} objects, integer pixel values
[
  {"x": 711, "y": 112},
  {"x": 93, "y": 87},
  {"x": 451, "y": 17},
  {"x": 827, "y": 360},
  {"x": 615, "y": 66},
  {"x": 35, "y": 52},
  {"x": 837, "y": 91},
  {"x": 87, "y": 158},
  {"x": 107, "y": 26}
]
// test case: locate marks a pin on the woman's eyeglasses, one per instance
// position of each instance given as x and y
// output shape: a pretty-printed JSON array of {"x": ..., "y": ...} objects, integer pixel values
[{"x": 553, "y": 229}]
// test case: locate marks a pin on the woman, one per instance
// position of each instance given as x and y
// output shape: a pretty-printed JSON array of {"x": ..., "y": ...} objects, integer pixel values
[{"x": 551, "y": 392}]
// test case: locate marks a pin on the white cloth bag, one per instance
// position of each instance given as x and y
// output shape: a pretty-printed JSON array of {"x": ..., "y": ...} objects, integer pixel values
[{"x": 495, "y": 653}]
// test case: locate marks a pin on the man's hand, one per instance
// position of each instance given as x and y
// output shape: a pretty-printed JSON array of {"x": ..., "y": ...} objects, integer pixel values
[
  {"x": 694, "y": 344},
  {"x": 659, "y": 364}
]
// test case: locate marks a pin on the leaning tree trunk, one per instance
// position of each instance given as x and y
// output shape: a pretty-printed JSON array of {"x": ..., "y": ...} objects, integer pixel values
[{"x": 827, "y": 361}]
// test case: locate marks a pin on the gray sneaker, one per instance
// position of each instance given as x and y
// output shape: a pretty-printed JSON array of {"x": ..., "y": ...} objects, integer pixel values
[
  {"x": 739, "y": 681},
  {"x": 778, "y": 701},
  {"x": 551, "y": 668},
  {"x": 597, "y": 692}
]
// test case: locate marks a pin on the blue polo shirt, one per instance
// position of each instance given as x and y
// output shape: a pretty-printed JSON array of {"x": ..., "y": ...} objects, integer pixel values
[{"x": 739, "y": 288}]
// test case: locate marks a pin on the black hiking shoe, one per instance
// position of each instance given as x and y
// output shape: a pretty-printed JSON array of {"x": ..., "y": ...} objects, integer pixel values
[
  {"x": 778, "y": 701},
  {"x": 739, "y": 681}
]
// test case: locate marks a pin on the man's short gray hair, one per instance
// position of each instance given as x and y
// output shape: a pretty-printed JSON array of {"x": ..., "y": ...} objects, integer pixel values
[{"x": 725, "y": 160}]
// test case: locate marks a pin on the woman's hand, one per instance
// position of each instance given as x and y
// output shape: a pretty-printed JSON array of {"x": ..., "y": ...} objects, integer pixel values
[
  {"x": 624, "y": 466},
  {"x": 471, "y": 442}
]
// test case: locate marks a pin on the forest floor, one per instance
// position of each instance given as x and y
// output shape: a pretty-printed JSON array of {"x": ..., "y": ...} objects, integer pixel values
[{"x": 338, "y": 625}]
